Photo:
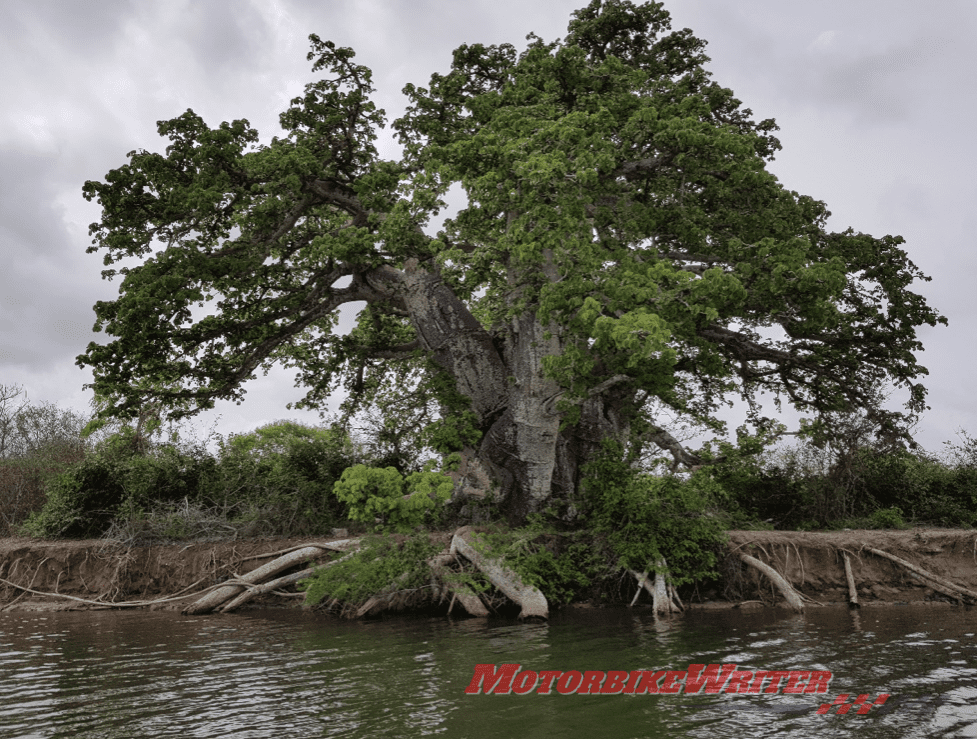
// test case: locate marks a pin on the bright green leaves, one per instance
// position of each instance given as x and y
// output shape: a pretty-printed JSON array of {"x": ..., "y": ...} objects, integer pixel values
[
  {"x": 401, "y": 503},
  {"x": 615, "y": 196},
  {"x": 642, "y": 336}
]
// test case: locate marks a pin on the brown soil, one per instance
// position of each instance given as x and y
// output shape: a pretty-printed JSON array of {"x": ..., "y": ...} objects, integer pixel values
[
  {"x": 814, "y": 565},
  {"x": 812, "y": 562},
  {"x": 102, "y": 571}
]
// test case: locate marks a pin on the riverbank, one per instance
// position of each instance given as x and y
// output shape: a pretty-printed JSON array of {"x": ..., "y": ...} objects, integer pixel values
[{"x": 813, "y": 562}]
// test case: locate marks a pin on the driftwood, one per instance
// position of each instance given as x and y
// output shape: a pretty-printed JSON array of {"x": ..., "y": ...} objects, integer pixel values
[
  {"x": 469, "y": 601},
  {"x": 852, "y": 592},
  {"x": 267, "y": 587},
  {"x": 938, "y": 583},
  {"x": 663, "y": 595},
  {"x": 792, "y": 597},
  {"x": 530, "y": 599},
  {"x": 225, "y": 593}
]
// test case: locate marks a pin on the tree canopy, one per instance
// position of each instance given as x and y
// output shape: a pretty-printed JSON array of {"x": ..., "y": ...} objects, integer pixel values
[{"x": 622, "y": 249}]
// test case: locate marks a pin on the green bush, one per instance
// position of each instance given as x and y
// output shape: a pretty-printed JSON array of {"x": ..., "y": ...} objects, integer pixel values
[
  {"x": 400, "y": 503},
  {"x": 277, "y": 480},
  {"x": 888, "y": 518},
  {"x": 282, "y": 476},
  {"x": 647, "y": 518},
  {"x": 379, "y": 563}
]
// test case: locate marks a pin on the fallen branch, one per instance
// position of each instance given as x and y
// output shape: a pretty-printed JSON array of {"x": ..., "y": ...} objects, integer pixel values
[
  {"x": 936, "y": 582},
  {"x": 530, "y": 599},
  {"x": 790, "y": 595}
]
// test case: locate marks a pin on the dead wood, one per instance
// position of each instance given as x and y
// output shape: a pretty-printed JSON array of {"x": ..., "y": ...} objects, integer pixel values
[
  {"x": 221, "y": 595},
  {"x": 852, "y": 592},
  {"x": 790, "y": 595},
  {"x": 469, "y": 601},
  {"x": 936, "y": 582},
  {"x": 531, "y": 600},
  {"x": 663, "y": 596}
]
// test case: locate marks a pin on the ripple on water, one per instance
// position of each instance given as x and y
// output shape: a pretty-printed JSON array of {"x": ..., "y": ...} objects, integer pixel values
[{"x": 104, "y": 674}]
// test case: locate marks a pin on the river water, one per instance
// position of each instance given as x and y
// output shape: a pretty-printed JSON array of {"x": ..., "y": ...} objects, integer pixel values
[{"x": 279, "y": 673}]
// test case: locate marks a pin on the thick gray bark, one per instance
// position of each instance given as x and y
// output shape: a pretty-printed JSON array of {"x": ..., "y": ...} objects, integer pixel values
[{"x": 523, "y": 450}]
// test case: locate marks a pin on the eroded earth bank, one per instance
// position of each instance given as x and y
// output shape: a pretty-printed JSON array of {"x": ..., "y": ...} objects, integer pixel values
[{"x": 90, "y": 574}]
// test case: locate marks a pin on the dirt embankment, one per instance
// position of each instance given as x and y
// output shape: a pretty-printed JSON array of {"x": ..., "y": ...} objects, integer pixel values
[
  {"x": 812, "y": 562},
  {"x": 100, "y": 571}
]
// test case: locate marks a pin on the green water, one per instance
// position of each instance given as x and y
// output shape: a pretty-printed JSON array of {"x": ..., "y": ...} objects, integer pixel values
[{"x": 289, "y": 674}]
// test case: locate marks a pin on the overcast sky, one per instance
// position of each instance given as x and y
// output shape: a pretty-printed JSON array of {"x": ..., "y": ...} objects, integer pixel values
[{"x": 875, "y": 101}]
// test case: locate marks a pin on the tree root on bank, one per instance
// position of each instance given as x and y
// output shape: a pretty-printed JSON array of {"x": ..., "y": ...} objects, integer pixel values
[
  {"x": 441, "y": 583},
  {"x": 665, "y": 599},
  {"x": 792, "y": 597},
  {"x": 228, "y": 591},
  {"x": 852, "y": 592},
  {"x": 528, "y": 598},
  {"x": 936, "y": 582}
]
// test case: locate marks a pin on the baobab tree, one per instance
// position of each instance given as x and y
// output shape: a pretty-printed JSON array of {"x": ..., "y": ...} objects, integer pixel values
[{"x": 622, "y": 248}]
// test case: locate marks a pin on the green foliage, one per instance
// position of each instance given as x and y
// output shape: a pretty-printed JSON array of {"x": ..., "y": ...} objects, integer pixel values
[
  {"x": 282, "y": 475},
  {"x": 618, "y": 207},
  {"x": 275, "y": 480},
  {"x": 400, "y": 503},
  {"x": 380, "y": 562},
  {"x": 888, "y": 518},
  {"x": 565, "y": 567},
  {"x": 854, "y": 479},
  {"x": 647, "y": 518}
]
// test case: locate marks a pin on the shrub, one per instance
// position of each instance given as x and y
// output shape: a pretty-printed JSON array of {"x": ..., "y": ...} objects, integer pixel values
[
  {"x": 401, "y": 503},
  {"x": 888, "y": 518},
  {"x": 379, "y": 563},
  {"x": 282, "y": 476},
  {"x": 647, "y": 518}
]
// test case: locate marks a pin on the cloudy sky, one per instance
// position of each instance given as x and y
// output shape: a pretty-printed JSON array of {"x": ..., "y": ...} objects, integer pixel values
[{"x": 875, "y": 102}]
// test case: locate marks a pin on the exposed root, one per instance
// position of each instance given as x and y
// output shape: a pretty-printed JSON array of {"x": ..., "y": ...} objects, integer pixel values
[
  {"x": 852, "y": 591},
  {"x": 935, "y": 581},
  {"x": 228, "y": 590},
  {"x": 109, "y": 604},
  {"x": 461, "y": 593},
  {"x": 664, "y": 598},
  {"x": 530, "y": 599},
  {"x": 792, "y": 597}
]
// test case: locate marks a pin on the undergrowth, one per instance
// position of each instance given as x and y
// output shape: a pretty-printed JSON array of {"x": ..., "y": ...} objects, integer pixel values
[{"x": 380, "y": 563}]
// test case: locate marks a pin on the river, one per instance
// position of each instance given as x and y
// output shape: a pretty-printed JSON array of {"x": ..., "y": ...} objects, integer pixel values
[{"x": 280, "y": 673}]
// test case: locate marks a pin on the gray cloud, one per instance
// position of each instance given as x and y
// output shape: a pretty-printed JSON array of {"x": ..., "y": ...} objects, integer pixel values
[{"x": 874, "y": 100}]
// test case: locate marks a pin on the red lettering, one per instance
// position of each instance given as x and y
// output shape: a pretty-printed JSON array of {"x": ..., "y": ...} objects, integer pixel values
[
  {"x": 591, "y": 682},
  {"x": 795, "y": 681},
  {"x": 633, "y": 681},
  {"x": 548, "y": 676},
  {"x": 739, "y": 682},
  {"x": 883, "y": 697},
  {"x": 712, "y": 678},
  {"x": 524, "y": 682},
  {"x": 614, "y": 683},
  {"x": 819, "y": 682},
  {"x": 495, "y": 680},
  {"x": 670, "y": 685},
  {"x": 569, "y": 682},
  {"x": 649, "y": 681},
  {"x": 775, "y": 677}
]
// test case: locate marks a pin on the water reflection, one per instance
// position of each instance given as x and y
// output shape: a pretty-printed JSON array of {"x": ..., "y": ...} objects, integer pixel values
[{"x": 283, "y": 673}]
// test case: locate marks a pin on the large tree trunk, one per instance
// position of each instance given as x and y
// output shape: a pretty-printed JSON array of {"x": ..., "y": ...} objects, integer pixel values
[{"x": 529, "y": 459}]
